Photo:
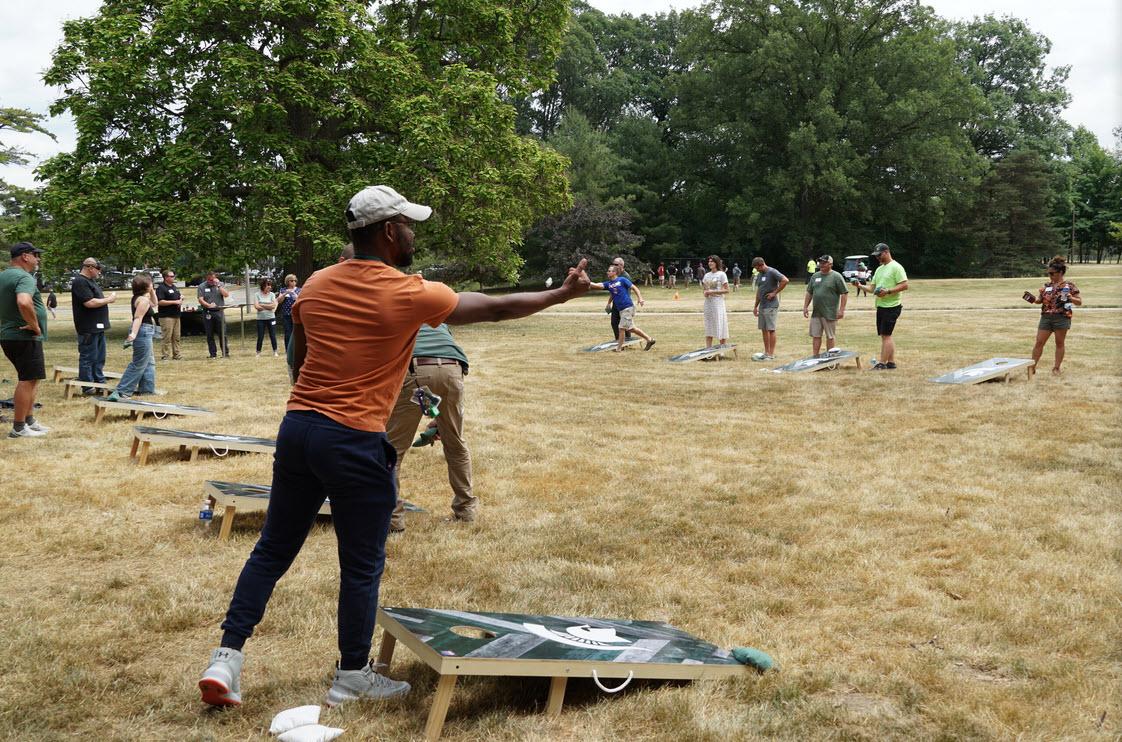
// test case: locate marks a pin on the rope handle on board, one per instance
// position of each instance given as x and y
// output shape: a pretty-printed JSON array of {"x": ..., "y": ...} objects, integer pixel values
[
  {"x": 159, "y": 415},
  {"x": 215, "y": 451},
  {"x": 601, "y": 686}
]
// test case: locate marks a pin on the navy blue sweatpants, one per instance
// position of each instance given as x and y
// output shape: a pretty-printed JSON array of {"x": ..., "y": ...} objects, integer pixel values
[{"x": 317, "y": 457}]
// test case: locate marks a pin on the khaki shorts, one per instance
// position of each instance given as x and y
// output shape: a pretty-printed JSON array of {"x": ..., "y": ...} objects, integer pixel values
[
  {"x": 821, "y": 325},
  {"x": 627, "y": 318},
  {"x": 768, "y": 318}
]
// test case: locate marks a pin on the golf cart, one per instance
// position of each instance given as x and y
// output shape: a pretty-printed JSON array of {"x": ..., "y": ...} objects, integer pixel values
[{"x": 856, "y": 269}]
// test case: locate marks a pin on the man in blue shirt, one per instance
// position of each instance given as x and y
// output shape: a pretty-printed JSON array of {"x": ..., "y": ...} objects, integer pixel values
[{"x": 620, "y": 288}]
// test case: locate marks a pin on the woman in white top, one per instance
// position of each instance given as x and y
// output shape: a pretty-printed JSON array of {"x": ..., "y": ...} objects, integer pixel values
[
  {"x": 715, "y": 285},
  {"x": 265, "y": 302}
]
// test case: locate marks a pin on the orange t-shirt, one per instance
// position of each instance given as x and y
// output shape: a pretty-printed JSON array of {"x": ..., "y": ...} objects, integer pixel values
[{"x": 360, "y": 318}]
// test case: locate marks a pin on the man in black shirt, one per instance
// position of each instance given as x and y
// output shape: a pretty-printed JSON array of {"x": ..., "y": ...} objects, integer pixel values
[
  {"x": 91, "y": 320},
  {"x": 170, "y": 302},
  {"x": 212, "y": 296}
]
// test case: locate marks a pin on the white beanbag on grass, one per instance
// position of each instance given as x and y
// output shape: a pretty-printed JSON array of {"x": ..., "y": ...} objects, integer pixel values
[
  {"x": 301, "y": 724},
  {"x": 310, "y": 733}
]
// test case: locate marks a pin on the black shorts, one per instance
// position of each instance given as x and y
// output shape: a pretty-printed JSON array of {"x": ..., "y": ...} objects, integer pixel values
[
  {"x": 886, "y": 319},
  {"x": 27, "y": 357}
]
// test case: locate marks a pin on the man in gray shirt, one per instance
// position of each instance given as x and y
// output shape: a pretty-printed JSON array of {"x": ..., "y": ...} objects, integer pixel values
[
  {"x": 212, "y": 297},
  {"x": 769, "y": 283}
]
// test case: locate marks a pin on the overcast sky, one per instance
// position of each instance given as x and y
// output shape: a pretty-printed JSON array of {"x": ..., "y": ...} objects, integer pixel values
[{"x": 1084, "y": 34}]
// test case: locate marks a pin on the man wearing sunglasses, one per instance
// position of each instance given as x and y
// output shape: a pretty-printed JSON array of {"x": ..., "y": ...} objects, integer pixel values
[
  {"x": 169, "y": 313},
  {"x": 354, "y": 328},
  {"x": 91, "y": 320}
]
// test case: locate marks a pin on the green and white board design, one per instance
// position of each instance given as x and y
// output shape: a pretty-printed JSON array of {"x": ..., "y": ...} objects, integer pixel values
[
  {"x": 816, "y": 363},
  {"x": 601, "y": 347},
  {"x": 992, "y": 368},
  {"x": 697, "y": 355},
  {"x": 478, "y": 643}
]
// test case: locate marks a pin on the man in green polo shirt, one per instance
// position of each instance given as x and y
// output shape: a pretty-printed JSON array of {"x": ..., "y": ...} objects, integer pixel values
[
  {"x": 441, "y": 365},
  {"x": 23, "y": 328},
  {"x": 888, "y": 283},
  {"x": 829, "y": 293}
]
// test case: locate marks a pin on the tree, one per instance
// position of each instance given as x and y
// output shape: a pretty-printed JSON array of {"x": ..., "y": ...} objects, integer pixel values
[
  {"x": 1005, "y": 61},
  {"x": 823, "y": 126},
  {"x": 1096, "y": 194},
  {"x": 24, "y": 122},
  {"x": 1009, "y": 223},
  {"x": 238, "y": 130},
  {"x": 588, "y": 230}
]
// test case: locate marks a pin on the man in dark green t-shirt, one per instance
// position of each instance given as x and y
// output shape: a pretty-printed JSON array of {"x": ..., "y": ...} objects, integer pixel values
[
  {"x": 23, "y": 327},
  {"x": 827, "y": 290},
  {"x": 441, "y": 365}
]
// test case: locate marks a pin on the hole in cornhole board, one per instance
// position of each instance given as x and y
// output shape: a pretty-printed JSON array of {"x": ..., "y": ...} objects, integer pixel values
[{"x": 473, "y": 632}]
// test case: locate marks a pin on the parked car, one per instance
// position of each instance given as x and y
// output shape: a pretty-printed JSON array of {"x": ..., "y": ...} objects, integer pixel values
[{"x": 856, "y": 269}]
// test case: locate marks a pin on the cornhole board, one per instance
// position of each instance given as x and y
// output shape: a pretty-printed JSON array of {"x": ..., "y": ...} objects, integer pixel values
[
  {"x": 818, "y": 362},
  {"x": 253, "y": 498},
  {"x": 138, "y": 409},
  {"x": 455, "y": 643},
  {"x": 988, "y": 370},
  {"x": 72, "y": 386},
  {"x": 190, "y": 442},
  {"x": 63, "y": 371},
  {"x": 696, "y": 355},
  {"x": 611, "y": 344}
]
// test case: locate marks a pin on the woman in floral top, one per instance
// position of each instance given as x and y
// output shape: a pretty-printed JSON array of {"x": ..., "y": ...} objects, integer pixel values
[
  {"x": 287, "y": 298},
  {"x": 1056, "y": 298}
]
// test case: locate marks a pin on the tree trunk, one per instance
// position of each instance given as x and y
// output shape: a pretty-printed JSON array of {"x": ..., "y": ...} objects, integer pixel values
[{"x": 304, "y": 265}]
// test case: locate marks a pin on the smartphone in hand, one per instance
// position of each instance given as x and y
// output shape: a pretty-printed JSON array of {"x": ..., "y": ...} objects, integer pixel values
[{"x": 1027, "y": 296}]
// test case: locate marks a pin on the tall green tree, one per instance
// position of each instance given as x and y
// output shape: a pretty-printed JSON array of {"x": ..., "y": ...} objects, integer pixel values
[
  {"x": 235, "y": 130},
  {"x": 1096, "y": 195},
  {"x": 1009, "y": 223},
  {"x": 1005, "y": 61},
  {"x": 822, "y": 126}
]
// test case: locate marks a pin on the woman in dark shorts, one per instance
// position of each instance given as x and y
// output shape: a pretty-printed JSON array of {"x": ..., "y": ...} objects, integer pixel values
[{"x": 1056, "y": 299}]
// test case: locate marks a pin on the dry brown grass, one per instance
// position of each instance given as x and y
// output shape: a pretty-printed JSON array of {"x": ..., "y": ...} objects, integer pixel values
[{"x": 923, "y": 562}]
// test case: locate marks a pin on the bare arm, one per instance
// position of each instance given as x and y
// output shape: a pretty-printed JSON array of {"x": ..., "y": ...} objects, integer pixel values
[
  {"x": 142, "y": 306},
  {"x": 225, "y": 293},
  {"x": 898, "y": 288},
  {"x": 96, "y": 302},
  {"x": 26, "y": 307},
  {"x": 473, "y": 307}
]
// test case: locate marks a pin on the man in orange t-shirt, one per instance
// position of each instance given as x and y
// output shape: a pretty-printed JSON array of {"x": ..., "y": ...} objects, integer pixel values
[{"x": 353, "y": 331}]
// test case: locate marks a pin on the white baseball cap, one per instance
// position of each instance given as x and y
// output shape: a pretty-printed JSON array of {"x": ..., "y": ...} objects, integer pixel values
[{"x": 375, "y": 204}]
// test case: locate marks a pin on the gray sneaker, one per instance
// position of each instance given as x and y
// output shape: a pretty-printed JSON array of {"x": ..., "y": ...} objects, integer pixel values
[
  {"x": 221, "y": 683},
  {"x": 365, "y": 683},
  {"x": 39, "y": 427}
]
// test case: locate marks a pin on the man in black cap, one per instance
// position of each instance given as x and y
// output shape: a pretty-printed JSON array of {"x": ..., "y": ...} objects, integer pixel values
[
  {"x": 888, "y": 283},
  {"x": 23, "y": 327},
  {"x": 91, "y": 320}
]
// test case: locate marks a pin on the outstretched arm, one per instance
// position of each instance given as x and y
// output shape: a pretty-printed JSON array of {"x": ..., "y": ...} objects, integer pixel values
[{"x": 474, "y": 307}]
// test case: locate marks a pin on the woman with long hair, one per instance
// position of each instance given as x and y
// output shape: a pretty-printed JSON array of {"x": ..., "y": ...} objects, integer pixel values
[
  {"x": 139, "y": 376},
  {"x": 265, "y": 302},
  {"x": 715, "y": 284},
  {"x": 1056, "y": 298}
]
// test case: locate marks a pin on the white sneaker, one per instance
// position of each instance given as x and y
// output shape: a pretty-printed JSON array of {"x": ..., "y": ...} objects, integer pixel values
[
  {"x": 221, "y": 682},
  {"x": 759, "y": 356},
  {"x": 350, "y": 685},
  {"x": 26, "y": 432},
  {"x": 768, "y": 358},
  {"x": 40, "y": 427}
]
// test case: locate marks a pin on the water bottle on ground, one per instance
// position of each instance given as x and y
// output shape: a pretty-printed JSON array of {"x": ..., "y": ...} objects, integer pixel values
[{"x": 206, "y": 514}]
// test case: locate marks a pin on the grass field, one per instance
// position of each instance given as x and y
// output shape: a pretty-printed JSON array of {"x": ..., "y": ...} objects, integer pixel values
[{"x": 924, "y": 562}]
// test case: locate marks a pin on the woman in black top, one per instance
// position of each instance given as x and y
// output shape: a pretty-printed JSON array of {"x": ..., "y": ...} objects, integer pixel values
[{"x": 140, "y": 375}]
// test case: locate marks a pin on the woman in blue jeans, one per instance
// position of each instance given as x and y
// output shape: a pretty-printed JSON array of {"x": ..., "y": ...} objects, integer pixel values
[
  {"x": 287, "y": 298},
  {"x": 140, "y": 375}
]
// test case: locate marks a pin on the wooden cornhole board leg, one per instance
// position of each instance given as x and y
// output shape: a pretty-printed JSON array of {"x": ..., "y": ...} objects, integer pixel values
[
  {"x": 144, "y": 452},
  {"x": 58, "y": 375},
  {"x": 99, "y": 413},
  {"x": 440, "y": 702},
  {"x": 194, "y": 453},
  {"x": 182, "y": 452},
  {"x": 135, "y": 445},
  {"x": 556, "y": 696},
  {"x": 67, "y": 392},
  {"x": 385, "y": 652},
  {"x": 858, "y": 359},
  {"x": 227, "y": 523}
]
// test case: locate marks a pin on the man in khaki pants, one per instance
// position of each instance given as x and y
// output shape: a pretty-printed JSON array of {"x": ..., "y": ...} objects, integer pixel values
[
  {"x": 439, "y": 364},
  {"x": 169, "y": 312}
]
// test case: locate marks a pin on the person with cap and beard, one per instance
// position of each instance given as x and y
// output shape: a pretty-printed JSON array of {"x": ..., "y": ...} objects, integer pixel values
[
  {"x": 91, "y": 319},
  {"x": 828, "y": 291},
  {"x": 888, "y": 282},
  {"x": 23, "y": 328},
  {"x": 353, "y": 333}
]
